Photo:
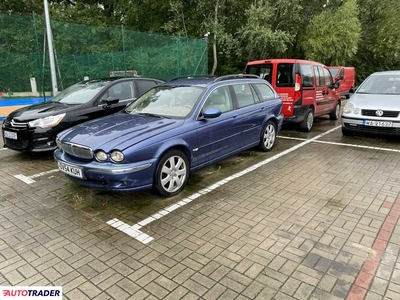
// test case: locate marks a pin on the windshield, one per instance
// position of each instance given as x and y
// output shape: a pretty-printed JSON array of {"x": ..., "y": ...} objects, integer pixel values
[
  {"x": 334, "y": 71},
  {"x": 167, "y": 101},
  {"x": 79, "y": 93},
  {"x": 381, "y": 84}
]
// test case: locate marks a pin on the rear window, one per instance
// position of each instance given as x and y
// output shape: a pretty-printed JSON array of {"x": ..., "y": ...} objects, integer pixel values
[
  {"x": 264, "y": 71},
  {"x": 284, "y": 75}
]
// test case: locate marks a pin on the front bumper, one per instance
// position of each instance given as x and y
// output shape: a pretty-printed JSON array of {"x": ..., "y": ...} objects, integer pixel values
[
  {"x": 30, "y": 140},
  {"x": 109, "y": 176},
  {"x": 358, "y": 125}
]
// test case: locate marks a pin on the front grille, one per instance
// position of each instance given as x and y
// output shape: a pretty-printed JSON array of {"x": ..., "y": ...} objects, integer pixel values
[
  {"x": 15, "y": 124},
  {"x": 77, "y": 150},
  {"x": 386, "y": 113},
  {"x": 373, "y": 129},
  {"x": 16, "y": 144}
]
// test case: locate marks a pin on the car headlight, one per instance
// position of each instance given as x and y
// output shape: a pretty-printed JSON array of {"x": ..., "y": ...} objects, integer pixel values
[
  {"x": 356, "y": 111},
  {"x": 117, "y": 156},
  {"x": 348, "y": 108},
  {"x": 47, "y": 121},
  {"x": 101, "y": 156}
]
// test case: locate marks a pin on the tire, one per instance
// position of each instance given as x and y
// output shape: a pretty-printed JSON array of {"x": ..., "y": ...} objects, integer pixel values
[
  {"x": 308, "y": 121},
  {"x": 172, "y": 173},
  {"x": 334, "y": 115},
  {"x": 268, "y": 137},
  {"x": 346, "y": 132}
]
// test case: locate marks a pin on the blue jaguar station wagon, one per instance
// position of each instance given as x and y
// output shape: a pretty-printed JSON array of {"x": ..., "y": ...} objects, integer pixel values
[{"x": 173, "y": 129}]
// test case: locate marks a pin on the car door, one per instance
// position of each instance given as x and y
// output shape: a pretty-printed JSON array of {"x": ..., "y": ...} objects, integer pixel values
[
  {"x": 252, "y": 111},
  {"x": 330, "y": 94},
  {"x": 320, "y": 90},
  {"x": 220, "y": 136},
  {"x": 124, "y": 91},
  {"x": 143, "y": 85}
]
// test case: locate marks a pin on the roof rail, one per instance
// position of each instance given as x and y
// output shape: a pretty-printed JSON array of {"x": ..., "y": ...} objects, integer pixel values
[
  {"x": 194, "y": 77},
  {"x": 236, "y": 76}
]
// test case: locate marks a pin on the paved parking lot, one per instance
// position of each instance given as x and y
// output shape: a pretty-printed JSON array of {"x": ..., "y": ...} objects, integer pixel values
[{"x": 316, "y": 218}]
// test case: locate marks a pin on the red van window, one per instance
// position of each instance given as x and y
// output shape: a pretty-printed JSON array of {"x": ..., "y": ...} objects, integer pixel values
[
  {"x": 284, "y": 75},
  {"x": 307, "y": 75},
  {"x": 328, "y": 77},
  {"x": 319, "y": 76},
  {"x": 264, "y": 71}
]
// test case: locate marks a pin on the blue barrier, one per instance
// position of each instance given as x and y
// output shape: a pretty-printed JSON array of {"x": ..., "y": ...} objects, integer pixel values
[
  {"x": 4, "y": 102},
  {"x": 21, "y": 101}
]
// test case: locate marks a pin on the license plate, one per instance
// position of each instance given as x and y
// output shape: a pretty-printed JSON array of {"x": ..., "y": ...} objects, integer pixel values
[
  {"x": 10, "y": 135},
  {"x": 71, "y": 170},
  {"x": 378, "y": 123}
]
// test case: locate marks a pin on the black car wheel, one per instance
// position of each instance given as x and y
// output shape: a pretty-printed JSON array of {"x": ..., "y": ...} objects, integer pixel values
[
  {"x": 308, "y": 121},
  {"x": 334, "y": 115},
  {"x": 268, "y": 137},
  {"x": 172, "y": 173},
  {"x": 346, "y": 132}
]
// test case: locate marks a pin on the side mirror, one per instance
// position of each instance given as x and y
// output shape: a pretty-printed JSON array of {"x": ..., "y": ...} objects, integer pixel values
[
  {"x": 111, "y": 100},
  {"x": 334, "y": 85},
  {"x": 211, "y": 113},
  {"x": 340, "y": 77},
  {"x": 352, "y": 90}
]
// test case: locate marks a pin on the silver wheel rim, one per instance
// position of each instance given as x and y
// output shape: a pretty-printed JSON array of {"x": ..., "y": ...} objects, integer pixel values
[
  {"x": 269, "y": 136},
  {"x": 337, "y": 110},
  {"x": 310, "y": 120},
  {"x": 173, "y": 174}
]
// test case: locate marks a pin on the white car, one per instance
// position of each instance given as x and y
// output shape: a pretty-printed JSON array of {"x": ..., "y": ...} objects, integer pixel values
[{"x": 375, "y": 106}]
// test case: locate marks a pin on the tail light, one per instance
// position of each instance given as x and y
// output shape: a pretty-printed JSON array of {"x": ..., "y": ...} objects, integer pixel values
[{"x": 297, "y": 88}]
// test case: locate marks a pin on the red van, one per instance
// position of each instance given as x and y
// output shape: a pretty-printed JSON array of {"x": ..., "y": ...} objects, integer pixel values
[
  {"x": 306, "y": 88},
  {"x": 346, "y": 75}
]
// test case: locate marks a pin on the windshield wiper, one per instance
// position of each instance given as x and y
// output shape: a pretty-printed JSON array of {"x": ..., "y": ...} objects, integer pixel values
[{"x": 153, "y": 115}]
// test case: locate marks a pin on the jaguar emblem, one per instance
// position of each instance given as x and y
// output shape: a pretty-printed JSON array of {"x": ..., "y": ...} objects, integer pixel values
[{"x": 379, "y": 113}]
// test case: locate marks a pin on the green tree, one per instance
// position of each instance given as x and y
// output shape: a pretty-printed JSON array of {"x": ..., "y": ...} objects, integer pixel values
[
  {"x": 332, "y": 36},
  {"x": 269, "y": 29},
  {"x": 379, "y": 46}
]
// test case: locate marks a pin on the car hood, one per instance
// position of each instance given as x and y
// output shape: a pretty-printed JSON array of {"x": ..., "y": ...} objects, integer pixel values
[
  {"x": 42, "y": 110},
  {"x": 376, "y": 101},
  {"x": 118, "y": 131}
]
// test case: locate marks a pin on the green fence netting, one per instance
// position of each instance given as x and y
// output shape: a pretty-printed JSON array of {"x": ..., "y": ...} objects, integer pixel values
[{"x": 88, "y": 51}]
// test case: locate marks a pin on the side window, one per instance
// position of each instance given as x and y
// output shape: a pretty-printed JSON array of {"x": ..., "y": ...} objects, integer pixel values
[
  {"x": 244, "y": 94},
  {"x": 341, "y": 73},
  {"x": 319, "y": 76},
  {"x": 307, "y": 75},
  {"x": 328, "y": 77},
  {"x": 219, "y": 98},
  {"x": 284, "y": 76},
  {"x": 122, "y": 91},
  {"x": 145, "y": 85},
  {"x": 266, "y": 92}
]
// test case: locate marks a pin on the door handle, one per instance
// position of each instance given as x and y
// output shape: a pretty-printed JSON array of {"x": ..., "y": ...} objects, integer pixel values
[{"x": 234, "y": 116}]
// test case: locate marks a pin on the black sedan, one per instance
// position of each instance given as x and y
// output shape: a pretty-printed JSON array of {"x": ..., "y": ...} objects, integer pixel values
[{"x": 34, "y": 128}]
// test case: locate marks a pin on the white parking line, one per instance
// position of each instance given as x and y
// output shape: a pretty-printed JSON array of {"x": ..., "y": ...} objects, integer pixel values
[
  {"x": 2, "y": 149},
  {"x": 343, "y": 144},
  {"x": 29, "y": 180},
  {"x": 134, "y": 230}
]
